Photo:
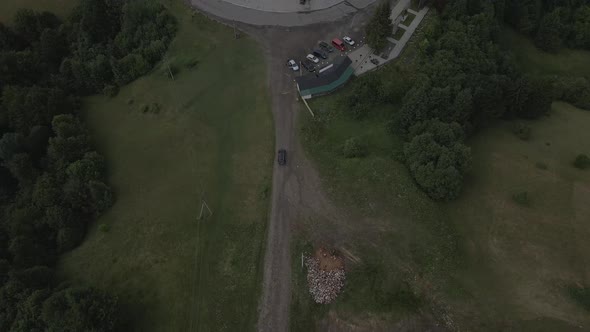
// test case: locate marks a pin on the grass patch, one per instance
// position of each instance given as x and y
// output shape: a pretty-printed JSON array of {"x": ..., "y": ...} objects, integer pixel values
[
  {"x": 409, "y": 19},
  {"x": 59, "y": 7},
  {"x": 565, "y": 62},
  {"x": 399, "y": 33},
  {"x": 169, "y": 144},
  {"x": 580, "y": 295},
  {"x": 528, "y": 250}
]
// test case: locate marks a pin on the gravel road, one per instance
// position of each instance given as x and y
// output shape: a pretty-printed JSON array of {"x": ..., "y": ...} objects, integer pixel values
[{"x": 296, "y": 187}]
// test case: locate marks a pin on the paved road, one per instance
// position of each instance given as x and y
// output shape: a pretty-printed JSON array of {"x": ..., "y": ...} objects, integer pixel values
[{"x": 232, "y": 12}]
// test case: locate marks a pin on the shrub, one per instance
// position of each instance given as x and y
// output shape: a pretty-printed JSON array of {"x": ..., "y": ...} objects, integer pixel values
[
  {"x": 582, "y": 161},
  {"x": 581, "y": 295},
  {"x": 522, "y": 131},
  {"x": 354, "y": 148},
  {"x": 522, "y": 198},
  {"x": 104, "y": 228}
]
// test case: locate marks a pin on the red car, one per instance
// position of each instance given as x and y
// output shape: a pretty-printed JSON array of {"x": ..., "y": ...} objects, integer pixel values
[{"x": 338, "y": 44}]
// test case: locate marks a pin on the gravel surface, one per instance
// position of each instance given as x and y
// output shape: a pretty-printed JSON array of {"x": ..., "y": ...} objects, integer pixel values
[{"x": 296, "y": 190}]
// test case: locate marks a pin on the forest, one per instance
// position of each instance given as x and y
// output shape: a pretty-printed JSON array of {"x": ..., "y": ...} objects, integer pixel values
[
  {"x": 52, "y": 180},
  {"x": 464, "y": 81},
  {"x": 553, "y": 24}
]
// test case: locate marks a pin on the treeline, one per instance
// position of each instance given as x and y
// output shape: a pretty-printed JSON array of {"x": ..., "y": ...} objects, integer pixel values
[
  {"x": 52, "y": 181},
  {"x": 465, "y": 80},
  {"x": 553, "y": 24}
]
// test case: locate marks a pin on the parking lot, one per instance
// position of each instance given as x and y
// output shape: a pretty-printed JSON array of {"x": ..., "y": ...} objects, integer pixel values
[{"x": 299, "y": 54}]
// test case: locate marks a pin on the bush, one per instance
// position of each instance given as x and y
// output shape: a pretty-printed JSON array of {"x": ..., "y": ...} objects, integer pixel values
[
  {"x": 104, "y": 228},
  {"x": 582, "y": 161},
  {"x": 354, "y": 148},
  {"x": 522, "y": 131},
  {"x": 522, "y": 198},
  {"x": 581, "y": 295}
]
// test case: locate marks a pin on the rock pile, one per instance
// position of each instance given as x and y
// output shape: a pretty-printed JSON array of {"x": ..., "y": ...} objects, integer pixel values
[{"x": 324, "y": 286}]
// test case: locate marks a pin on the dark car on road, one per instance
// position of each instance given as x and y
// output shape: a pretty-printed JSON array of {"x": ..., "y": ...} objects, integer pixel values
[
  {"x": 282, "y": 157},
  {"x": 320, "y": 53},
  {"x": 307, "y": 64},
  {"x": 326, "y": 47}
]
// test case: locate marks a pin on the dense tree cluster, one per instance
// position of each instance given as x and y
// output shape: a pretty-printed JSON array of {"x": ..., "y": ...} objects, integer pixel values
[
  {"x": 380, "y": 27},
  {"x": 465, "y": 80},
  {"x": 552, "y": 23},
  {"x": 52, "y": 181}
]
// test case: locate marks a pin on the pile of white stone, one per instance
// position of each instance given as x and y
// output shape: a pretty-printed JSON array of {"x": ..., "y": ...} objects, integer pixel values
[{"x": 324, "y": 286}]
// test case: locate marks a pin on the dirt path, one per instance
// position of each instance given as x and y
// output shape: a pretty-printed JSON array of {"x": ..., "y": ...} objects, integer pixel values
[
  {"x": 297, "y": 191},
  {"x": 296, "y": 187}
]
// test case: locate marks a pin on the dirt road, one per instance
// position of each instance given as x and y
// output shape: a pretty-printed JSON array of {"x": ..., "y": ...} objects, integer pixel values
[
  {"x": 296, "y": 192},
  {"x": 296, "y": 188}
]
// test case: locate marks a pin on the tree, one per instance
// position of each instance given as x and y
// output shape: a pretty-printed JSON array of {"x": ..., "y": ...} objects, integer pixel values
[
  {"x": 70, "y": 143},
  {"x": 582, "y": 161},
  {"x": 581, "y": 28},
  {"x": 53, "y": 47},
  {"x": 10, "y": 144},
  {"x": 27, "y": 107},
  {"x": 530, "y": 97},
  {"x": 380, "y": 27},
  {"x": 79, "y": 309},
  {"x": 549, "y": 35},
  {"x": 438, "y": 159}
]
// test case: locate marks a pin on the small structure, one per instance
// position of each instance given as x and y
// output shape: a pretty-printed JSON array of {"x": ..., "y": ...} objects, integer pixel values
[{"x": 327, "y": 80}]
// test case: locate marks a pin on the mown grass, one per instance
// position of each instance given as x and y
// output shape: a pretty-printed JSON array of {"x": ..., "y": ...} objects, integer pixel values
[
  {"x": 208, "y": 135},
  {"x": 9, "y": 7},
  {"x": 399, "y": 33},
  {"x": 531, "y": 59}
]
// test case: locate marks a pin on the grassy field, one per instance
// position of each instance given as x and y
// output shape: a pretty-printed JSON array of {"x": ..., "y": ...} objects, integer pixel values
[
  {"x": 9, "y": 7},
  {"x": 483, "y": 260},
  {"x": 207, "y": 134},
  {"x": 531, "y": 253},
  {"x": 565, "y": 62}
]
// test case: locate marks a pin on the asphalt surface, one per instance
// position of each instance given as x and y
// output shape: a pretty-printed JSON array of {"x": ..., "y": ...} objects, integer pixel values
[
  {"x": 230, "y": 12},
  {"x": 297, "y": 193}
]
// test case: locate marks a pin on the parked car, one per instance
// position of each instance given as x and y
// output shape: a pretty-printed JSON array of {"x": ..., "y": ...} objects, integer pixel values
[
  {"x": 338, "y": 44},
  {"x": 307, "y": 64},
  {"x": 293, "y": 65},
  {"x": 375, "y": 61},
  {"x": 326, "y": 47},
  {"x": 348, "y": 40},
  {"x": 302, "y": 2},
  {"x": 320, "y": 54},
  {"x": 282, "y": 157},
  {"x": 313, "y": 58}
]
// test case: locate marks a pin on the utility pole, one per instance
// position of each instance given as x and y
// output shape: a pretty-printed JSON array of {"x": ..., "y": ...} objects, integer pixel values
[
  {"x": 235, "y": 31},
  {"x": 300, "y": 68}
]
